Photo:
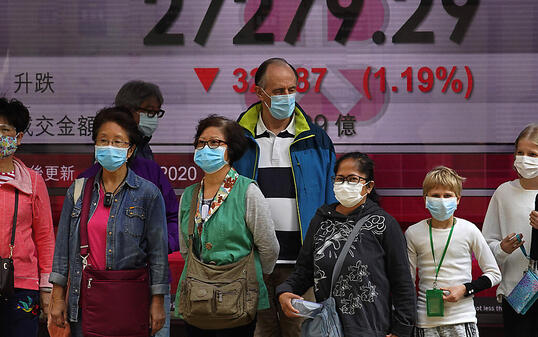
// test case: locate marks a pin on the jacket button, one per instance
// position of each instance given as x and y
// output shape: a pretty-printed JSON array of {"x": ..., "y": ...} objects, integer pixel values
[
  {"x": 112, "y": 216},
  {"x": 110, "y": 250},
  {"x": 109, "y": 233},
  {"x": 208, "y": 246},
  {"x": 115, "y": 200}
]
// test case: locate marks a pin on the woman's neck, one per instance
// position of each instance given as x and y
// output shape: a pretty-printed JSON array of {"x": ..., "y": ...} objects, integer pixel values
[
  {"x": 111, "y": 180},
  {"x": 529, "y": 184},
  {"x": 6, "y": 164},
  {"x": 442, "y": 224},
  {"x": 216, "y": 178}
]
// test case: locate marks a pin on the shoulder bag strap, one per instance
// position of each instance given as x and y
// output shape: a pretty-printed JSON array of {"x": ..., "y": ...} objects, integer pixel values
[
  {"x": 14, "y": 224},
  {"x": 194, "y": 203},
  {"x": 343, "y": 253},
  {"x": 84, "y": 215}
]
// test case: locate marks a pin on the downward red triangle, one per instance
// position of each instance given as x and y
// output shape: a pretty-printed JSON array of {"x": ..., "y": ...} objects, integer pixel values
[{"x": 206, "y": 76}]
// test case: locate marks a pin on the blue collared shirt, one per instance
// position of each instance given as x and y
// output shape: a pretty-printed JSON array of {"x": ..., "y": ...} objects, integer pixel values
[{"x": 136, "y": 237}]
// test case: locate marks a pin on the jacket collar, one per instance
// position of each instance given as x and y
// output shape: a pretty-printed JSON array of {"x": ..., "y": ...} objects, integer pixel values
[
  {"x": 22, "y": 181},
  {"x": 132, "y": 180},
  {"x": 249, "y": 119}
]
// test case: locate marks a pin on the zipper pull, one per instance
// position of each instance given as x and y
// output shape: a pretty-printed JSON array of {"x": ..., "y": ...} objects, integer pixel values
[
  {"x": 90, "y": 283},
  {"x": 219, "y": 295}
]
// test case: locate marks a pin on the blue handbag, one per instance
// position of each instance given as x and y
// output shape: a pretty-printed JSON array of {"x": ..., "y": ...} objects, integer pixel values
[
  {"x": 327, "y": 323},
  {"x": 525, "y": 294}
]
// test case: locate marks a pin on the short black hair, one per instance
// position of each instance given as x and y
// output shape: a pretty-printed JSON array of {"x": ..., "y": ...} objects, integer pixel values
[
  {"x": 365, "y": 165},
  {"x": 133, "y": 93},
  {"x": 121, "y": 116},
  {"x": 233, "y": 132},
  {"x": 16, "y": 114},
  {"x": 259, "y": 78}
]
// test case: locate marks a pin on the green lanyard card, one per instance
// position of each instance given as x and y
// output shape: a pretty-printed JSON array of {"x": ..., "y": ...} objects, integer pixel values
[{"x": 435, "y": 306}]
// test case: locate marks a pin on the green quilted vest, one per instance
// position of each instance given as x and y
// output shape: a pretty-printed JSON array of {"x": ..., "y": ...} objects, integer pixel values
[{"x": 226, "y": 237}]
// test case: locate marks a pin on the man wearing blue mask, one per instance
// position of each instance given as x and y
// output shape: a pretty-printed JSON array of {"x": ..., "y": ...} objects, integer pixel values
[
  {"x": 144, "y": 100},
  {"x": 292, "y": 160}
]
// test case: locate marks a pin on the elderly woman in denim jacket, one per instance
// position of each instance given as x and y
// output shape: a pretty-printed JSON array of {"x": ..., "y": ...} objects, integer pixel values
[
  {"x": 34, "y": 236},
  {"x": 117, "y": 241}
]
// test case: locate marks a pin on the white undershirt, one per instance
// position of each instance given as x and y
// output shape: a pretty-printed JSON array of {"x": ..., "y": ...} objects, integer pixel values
[
  {"x": 456, "y": 268},
  {"x": 508, "y": 212}
]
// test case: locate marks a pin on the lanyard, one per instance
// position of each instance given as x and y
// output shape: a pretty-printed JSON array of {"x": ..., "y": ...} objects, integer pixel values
[{"x": 444, "y": 251}]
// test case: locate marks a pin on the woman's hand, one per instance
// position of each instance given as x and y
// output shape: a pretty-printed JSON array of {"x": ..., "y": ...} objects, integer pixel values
[
  {"x": 533, "y": 217},
  {"x": 156, "y": 313},
  {"x": 455, "y": 293},
  {"x": 391, "y": 335},
  {"x": 44, "y": 299},
  {"x": 285, "y": 303},
  {"x": 511, "y": 243},
  {"x": 58, "y": 308}
]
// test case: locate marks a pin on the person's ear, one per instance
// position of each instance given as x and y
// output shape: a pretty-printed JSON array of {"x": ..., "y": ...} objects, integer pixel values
[
  {"x": 259, "y": 92},
  {"x": 370, "y": 186},
  {"x": 19, "y": 138},
  {"x": 458, "y": 199},
  {"x": 131, "y": 151}
]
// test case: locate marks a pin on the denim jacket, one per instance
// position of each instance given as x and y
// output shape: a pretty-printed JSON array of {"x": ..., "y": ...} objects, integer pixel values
[{"x": 136, "y": 237}]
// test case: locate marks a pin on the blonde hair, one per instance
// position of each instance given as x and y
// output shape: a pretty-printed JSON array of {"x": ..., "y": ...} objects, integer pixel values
[
  {"x": 530, "y": 132},
  {"x": 445, "y": 177}
]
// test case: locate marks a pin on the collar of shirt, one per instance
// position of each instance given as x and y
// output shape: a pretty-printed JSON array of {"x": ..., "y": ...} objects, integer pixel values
[{"x": 262, "y": 131}]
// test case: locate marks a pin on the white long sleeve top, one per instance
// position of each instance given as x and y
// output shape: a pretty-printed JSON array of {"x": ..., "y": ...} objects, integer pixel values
[
  {"x": 508, "y": 212},
  {"x": 455, "y": 270}
]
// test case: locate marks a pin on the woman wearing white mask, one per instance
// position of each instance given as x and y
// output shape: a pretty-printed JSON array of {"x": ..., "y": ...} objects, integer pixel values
[
  {"x": 224, "y": 221},
  {"x": 374, "y": 294},
  {"x": 511, "y": 212}
]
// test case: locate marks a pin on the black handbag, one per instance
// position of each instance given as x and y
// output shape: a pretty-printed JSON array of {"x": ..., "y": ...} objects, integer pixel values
[{"x": 7, "y": 270}]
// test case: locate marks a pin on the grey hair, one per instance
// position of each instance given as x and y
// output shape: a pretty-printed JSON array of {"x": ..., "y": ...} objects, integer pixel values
[{"x": 133, "y": 93}]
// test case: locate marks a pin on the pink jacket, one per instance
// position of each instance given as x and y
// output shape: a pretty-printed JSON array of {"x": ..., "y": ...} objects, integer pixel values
[{"x": 34, "y": 235}]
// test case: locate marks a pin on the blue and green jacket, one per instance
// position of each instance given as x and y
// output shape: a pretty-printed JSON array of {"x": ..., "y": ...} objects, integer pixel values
[{"x": 312, "y": 157}]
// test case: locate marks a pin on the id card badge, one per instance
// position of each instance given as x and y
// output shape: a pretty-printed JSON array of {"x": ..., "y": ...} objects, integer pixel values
[{"x": 434, "y": 303}]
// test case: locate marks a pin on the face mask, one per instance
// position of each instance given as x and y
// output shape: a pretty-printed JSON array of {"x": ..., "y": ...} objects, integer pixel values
[
  {"x": 8, "y": 146},
  {"x": 210, "y": 160},
  {"x": 526, "y": 166},
  {"x": 282, "y": 106},
  {"x": 441, "y": 208},
  {"x": 111, "y": 158},
  {"x": 348, "y": 195},
  {"x": 148, "y": 125}
]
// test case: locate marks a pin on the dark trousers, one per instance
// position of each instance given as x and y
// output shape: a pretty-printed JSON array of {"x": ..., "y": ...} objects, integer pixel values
[
  {"x": 242, "y": 331},
  {"x": 520, "y": 325},
  {"x": 19, "y": 315}
]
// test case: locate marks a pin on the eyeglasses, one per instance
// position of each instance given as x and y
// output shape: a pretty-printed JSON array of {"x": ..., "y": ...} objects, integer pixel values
[
  {"x": 115, "y": 143},
  {"x": 212, "y": 143},
  {"x": 351, "y": 179},
  {"x": 151, "y": 113},
  {"x": 6, "y": 129}
]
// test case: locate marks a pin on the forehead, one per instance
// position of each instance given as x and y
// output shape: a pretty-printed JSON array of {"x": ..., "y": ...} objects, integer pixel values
[
  {"x": 150, "y": 102},
  {"x": 440, "y": 189},
  {"x": 349, "y": 166},
  {"x": 279, "y": 75},
  {"x": 4, "y": 120},
  {"x": 212, "y": 132},
  {"x": 112, "y": 129},
  {"x": 525, "y": 144}
]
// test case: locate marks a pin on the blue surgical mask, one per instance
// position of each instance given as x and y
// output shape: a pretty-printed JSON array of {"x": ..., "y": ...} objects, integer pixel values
[
  {"x": 111, "y": 158},
  {"x": 441, "y": 208},
  {"x": 148, "y": 125},
  {"x": 210, "y": 160},
  {"x": 282, "y": 106}
]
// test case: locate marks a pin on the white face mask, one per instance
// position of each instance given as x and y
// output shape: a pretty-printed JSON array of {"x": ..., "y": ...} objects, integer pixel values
[
  {"x": 526, "y": 166},
  {"x": 348, "y": 195}
]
